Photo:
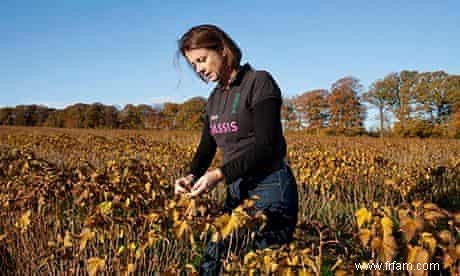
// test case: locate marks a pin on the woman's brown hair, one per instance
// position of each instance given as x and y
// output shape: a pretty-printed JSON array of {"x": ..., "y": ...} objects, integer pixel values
[{"x": 212, "y": 37}]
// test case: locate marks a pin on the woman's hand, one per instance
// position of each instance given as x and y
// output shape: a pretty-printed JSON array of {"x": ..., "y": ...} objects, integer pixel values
[
  {"x": 207, "y": 182},
  {"x": 183, "y": 184}
]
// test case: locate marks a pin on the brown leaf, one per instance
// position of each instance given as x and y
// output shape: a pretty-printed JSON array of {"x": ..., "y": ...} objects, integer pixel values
[
  {"x": 94, "y": 264},
  {"x": 429, "y": 241},
  {"x": 408, "y": 227}
]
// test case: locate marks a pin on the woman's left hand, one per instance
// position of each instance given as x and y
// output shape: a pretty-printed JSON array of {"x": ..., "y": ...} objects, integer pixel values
[{"x": 207, "y": 182}]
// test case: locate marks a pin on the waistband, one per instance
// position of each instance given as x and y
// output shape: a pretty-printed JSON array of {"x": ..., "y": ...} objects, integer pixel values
[{"x": 268, "y": 169}]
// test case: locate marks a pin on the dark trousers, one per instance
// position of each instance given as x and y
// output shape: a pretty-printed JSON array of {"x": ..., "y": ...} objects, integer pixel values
[{"x": 278, "y": 198}]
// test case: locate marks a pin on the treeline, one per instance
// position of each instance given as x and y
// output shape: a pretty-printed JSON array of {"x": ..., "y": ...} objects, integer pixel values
[
  {"x": 185, "y": 116},
  {"x": 408, "y": 103}
]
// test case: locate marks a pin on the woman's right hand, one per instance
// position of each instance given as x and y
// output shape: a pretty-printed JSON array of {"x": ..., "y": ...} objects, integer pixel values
[{"x": 183, "y": 184}]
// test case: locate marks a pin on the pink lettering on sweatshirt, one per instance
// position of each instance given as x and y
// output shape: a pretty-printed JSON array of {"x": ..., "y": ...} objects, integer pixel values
[{"x": 223, "y": 127}]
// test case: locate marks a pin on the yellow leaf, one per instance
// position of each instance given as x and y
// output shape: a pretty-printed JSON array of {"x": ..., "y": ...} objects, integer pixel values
[
  {"x": 250, "y": 202},
  {"x": 221, "y": 221},
  {"x": 429, "y": 241},
  {"x": 230, "y": 267},
  {"x": 417, "y": 203},
  {"x": 363, "y": 216},
  {"x": 132, "y": 246},
  {"x": 388, "y": 251},
  {"x": 191, "y": 208},
  {"x": 202, "y": 210},
  {"x": 412, "y": 252},
  {"x": 445, "y": 236},
  {"x": 376, "y": 243},
  {"x": 288, "y": 272},
  {"x": 215, "y": 236},
  {"x": 153, "y": 217},
  {"x": 140, "y": 251},
  {"x": 67, "y": 240},
  {"x": 249, "y": 257},
  {"x": 101, "y": 237},
  {"x": 171, "y": 204},
  {"x": 457, "y": 218},
  {"x": 304, "y": 272},
  {"x": 386, "y": 210},
  {"x": 105, "y": 207},
  {"x": 191, "y": 268},
  {"x": 236, "y": 219},
  {"x": 375, "y": 204},
  {"x": 131, "y": 268},
  {"x": 268, "y": 261},
  {"x": 52, "y": 244},
  {"x": 175, "y": 215},
  {"x": 430, "y": 206},
  {"x": 419, "y": 222},
  {"x": 85, "y": 236},
  {"x": 45, "y": 261},
  {"x": 192, "y": 239},
  {"x": 364, "y": 236},
  {"x": 273, "y": 268},
  {"x": 387, "y": 225},
  {"x": 447, "y": 261},
  {"x": 341, "y": 272},
  {"x": 337, "y": 264},
  {"x": 24, "y": 221},
  {"x": 182, "y": 229},
  {"x": 433, "y": 215},
  {"x": 120, "y": 250},
  {"x": 94, "y": 264},
  {"x": 293, "y": 261},
  {"x": 417, "y": 254}
]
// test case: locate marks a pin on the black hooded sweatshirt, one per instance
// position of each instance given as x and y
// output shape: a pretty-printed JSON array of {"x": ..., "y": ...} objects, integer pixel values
[{"x": 244, "y": 122}]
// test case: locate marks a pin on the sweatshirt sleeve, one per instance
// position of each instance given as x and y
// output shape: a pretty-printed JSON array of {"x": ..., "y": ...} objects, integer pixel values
[
  {"x": 269, "y": 141},
  {"x": 264, "y": 88},
  {"x": 204, "y": 153}
]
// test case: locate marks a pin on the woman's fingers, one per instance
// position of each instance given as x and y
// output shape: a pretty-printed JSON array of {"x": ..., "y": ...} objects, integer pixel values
[
  {"x": 199, "y": 187},
  {"x": 188, "y": 180},
  {"x": 179, "y": 189},
  {"x": 182, "y": 185}
]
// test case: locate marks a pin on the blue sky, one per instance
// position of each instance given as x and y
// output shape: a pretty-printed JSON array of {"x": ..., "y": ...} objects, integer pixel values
[{"x": 59, "y": 53}]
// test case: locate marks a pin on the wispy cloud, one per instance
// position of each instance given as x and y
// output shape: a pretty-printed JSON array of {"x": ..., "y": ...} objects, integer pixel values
[
  {"x": 164, "y": 99},
  {"x": 50, "y": 104}
]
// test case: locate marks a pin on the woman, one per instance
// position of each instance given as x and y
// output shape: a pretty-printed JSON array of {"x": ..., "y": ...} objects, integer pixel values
[{"x": 243, "y": 120}]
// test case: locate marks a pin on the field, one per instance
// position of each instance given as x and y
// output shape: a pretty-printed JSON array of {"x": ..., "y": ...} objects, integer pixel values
[{"x": 101, "y": 202}]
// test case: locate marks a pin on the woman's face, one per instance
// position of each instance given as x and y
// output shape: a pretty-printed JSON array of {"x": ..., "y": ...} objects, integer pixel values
[{"x": 208, "y": 63}]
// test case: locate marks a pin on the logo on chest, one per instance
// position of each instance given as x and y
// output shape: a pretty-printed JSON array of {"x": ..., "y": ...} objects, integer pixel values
[
  {"x": 223, "y": 127},
  {"x": 226, "y": 125}
]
